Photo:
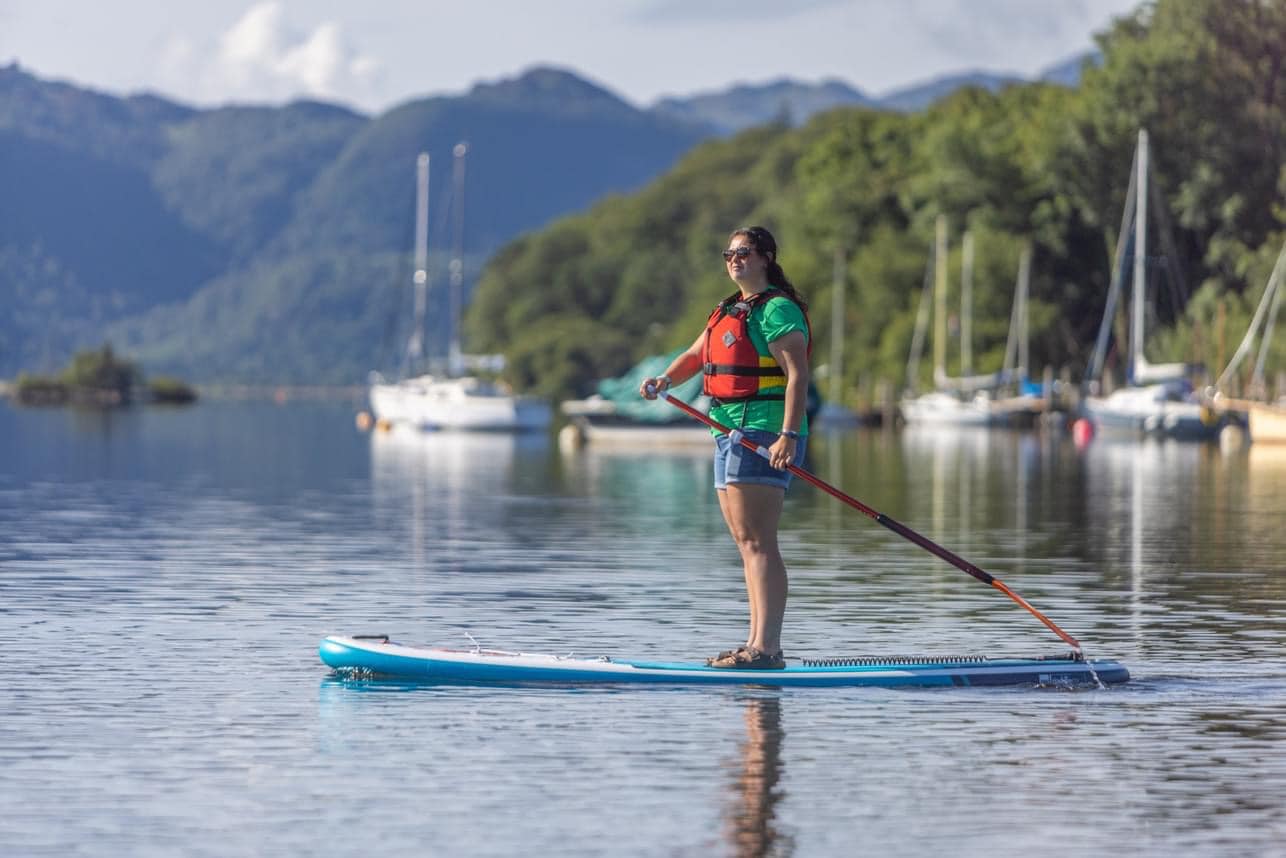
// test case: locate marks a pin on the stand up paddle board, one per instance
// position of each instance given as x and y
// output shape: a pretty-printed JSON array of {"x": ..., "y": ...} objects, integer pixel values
[{"x": 377, "y": 656}]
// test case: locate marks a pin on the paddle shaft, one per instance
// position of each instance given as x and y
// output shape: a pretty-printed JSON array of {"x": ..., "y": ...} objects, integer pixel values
[{"x": 892, "y": 524}]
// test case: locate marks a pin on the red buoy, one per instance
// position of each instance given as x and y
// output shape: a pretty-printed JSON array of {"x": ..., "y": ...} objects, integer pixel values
[{"x": 1082, "y": 432}]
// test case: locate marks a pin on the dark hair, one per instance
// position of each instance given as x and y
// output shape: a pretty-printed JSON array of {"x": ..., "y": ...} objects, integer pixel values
[{"x": 763, "y": 242}]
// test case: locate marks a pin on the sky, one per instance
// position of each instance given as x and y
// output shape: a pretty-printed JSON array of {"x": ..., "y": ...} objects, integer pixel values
[{"x": 375, "y": 54}]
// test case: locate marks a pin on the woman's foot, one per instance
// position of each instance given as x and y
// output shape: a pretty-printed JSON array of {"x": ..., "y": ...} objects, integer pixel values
[
  {"x": 729, "y": 653},
  {"x": 749, "y": 658}
]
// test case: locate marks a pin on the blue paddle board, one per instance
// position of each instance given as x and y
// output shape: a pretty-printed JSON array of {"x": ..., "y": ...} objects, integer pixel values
[{"x": 377, "y": 656}]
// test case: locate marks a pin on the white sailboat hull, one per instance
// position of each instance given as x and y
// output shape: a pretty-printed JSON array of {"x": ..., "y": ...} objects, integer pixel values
[
  {"x": 940, "y": 408},
  {"x": 598, "y": 421},
  {"x": 1155, "y": 409},
  {"x": 1267, "y": 423},
  {"x": 466, "y": 404}
]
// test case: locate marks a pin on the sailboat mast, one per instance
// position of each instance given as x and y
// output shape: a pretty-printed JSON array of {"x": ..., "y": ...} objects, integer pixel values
[
  {"x": 1119, "y": 261},
  {"x": 1016, "y": 342},
  {"x": 940, "y": 301},
  {"x": 1024, "y": 287},
  {"x": 454, "y": 357},
  {"x": 415, "y": 347},
  {"x": 921, "y": 326},
  {"x": 1139, "y": 295},
  {"x": 966, "y": 304},
  {"x": 835, "y": 388}
]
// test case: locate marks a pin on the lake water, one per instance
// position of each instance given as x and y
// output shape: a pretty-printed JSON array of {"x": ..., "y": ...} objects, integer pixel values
[{"x": 166, "y": 576}]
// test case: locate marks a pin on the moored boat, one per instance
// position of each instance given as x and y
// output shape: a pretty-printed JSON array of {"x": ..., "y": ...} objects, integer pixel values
[
  {"x": 450, "y": 400},
  {"x": 1265, "y": 420},
  {"x": 1158, "y": 399},
  {"x": 1003, "y": 398}
]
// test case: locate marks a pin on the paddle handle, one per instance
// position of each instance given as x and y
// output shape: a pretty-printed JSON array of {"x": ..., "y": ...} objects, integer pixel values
[{"x": 892, "y": 524}]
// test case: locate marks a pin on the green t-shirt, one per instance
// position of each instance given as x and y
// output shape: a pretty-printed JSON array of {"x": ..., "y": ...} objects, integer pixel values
[{"x": 768, "y": 321}]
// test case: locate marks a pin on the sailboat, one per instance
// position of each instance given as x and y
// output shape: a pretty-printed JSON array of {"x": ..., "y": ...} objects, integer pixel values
[
  {"x": 968, "y": 400},
  {"x": 1158, "y": 399},
  {"x": 453, "y": 400},
  {"x": 1265, "y": 420},
  {"x": 833, "y": 413}
]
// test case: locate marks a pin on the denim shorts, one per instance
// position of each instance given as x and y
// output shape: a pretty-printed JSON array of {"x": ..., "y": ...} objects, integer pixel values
[{"x": 733, "y": 463}]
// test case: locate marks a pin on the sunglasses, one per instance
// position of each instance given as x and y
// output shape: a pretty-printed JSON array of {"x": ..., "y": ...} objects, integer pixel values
[{"x": 740, "y": 252}]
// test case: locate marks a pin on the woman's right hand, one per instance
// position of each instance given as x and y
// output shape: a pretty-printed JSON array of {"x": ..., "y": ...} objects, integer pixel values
[{"x": 651, "y": 387}]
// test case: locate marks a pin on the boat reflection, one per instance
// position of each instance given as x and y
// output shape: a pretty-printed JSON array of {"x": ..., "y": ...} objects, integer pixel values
[
  {"x": 1267, "y": 467},
  {"x": 751, "y": 823},
  {"x": 977, "y": 463},
  {"x": 1138, "y": 498},
  {"x": 449, "y": 489},
  {"x": 450, "y": 463},
  {"x": 658, "y": 479}
]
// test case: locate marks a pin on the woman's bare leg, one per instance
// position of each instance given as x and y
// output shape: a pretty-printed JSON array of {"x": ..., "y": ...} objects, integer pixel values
[{"x": 753, "y": 512}]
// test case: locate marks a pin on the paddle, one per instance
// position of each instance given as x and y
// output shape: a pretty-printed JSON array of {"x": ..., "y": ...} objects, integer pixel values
[{"x": 893, "y": 525}]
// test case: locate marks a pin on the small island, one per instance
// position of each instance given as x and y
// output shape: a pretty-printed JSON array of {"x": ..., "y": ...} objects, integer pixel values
[{"x": 98, "y": 378}]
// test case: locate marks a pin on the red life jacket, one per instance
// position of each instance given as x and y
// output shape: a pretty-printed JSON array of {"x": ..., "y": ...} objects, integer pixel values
[{"x": 734, "y": 370}]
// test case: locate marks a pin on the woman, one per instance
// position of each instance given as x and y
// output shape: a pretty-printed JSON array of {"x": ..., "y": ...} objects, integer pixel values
[{"x": 754, "y": 354}]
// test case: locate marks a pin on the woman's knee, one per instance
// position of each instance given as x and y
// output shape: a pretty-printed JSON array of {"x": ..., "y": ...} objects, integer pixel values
[{"x": 752, "y": 543}]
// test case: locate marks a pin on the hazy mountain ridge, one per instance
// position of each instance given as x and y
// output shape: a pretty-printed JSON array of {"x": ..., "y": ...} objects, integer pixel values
[
  {"x": 746, "y": 105},
  {"x": 136, "y": 218},
  {"x": 124, "y": 216}
]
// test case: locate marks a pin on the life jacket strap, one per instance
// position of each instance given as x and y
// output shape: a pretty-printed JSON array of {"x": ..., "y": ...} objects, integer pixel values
[
  {"x": 736, "y": 369},
  {"x": 727, "y": 400}
]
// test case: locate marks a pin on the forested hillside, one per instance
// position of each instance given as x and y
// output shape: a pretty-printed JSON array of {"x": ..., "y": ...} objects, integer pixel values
[
  {"x": 272, "y": 244},
  {"x": 1034, "y": 164}
]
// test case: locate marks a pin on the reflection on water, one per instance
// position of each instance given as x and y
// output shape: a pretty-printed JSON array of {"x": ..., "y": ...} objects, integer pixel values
[
  {"x": 165, "y": 577},
  {"x": 441, "y": 483},
  {"x": 752, "y": 826},
  {"x": 1265, "y": 472}
]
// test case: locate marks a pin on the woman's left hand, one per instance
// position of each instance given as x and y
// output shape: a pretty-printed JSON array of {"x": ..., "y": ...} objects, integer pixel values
[{"x": 782, "y": 452}]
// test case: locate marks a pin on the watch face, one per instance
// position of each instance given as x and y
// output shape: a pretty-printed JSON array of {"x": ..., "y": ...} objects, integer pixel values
[{"x": 728, "y": 338}]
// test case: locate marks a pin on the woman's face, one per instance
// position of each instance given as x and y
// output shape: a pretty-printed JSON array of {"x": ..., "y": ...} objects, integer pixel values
[{"x": 747, "y": 265}]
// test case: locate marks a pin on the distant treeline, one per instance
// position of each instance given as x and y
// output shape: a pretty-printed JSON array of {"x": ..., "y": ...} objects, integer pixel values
[
  {"x": 1033, "y": 165},
  {"x": 98, "y": 377}
]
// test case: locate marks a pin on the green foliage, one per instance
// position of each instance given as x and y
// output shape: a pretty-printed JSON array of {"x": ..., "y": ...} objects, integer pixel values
[
  {"x": 40, "y": 390},
  {"x": 94, "y": 376},
  {"x": 101, "y": 369},
  {"x": 234, "y": 173},
  {"x": 99, "y": 377},
  {"x": 1036, "y": 165},
  {"x": 168, "y": 390},
  {"x": 273, "y": 244}
]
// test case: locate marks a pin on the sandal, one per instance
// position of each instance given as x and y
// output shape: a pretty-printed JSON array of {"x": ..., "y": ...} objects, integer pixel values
[
  {"x": 727, "y": 653},
  {"x": 749, "y": 658}
]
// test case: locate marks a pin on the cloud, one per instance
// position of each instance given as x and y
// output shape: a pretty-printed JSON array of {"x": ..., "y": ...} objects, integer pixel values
[
  {"x": 262, "y": 57},
  {"x": 682, "y": 12},
  {"x": 967, "y": 29}
]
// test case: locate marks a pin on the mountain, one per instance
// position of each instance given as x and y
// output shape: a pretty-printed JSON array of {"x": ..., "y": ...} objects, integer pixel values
[
  {"x": 1068, "y": 71},
  {"x": 222, "y": 243},
  {"x": 272, "y": 243},
  {"x": 541, "y": 145},
  {"x": 747, "y": 105},
  {"x": 919, "y": 96}
]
